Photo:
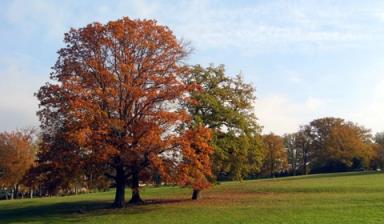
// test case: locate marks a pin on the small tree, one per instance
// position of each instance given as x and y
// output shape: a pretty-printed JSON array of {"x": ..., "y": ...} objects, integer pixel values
[
  {"x": 195, "y": 168},
  {"x": 275, "y": 155},
  {"x": 294, "y": 151},
  {"x": 378, "y": 147},
  {"x": 17, "y": 155}
]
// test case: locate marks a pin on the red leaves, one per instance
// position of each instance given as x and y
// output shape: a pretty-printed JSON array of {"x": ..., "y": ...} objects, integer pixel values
[{"x": 118, "y": 103}]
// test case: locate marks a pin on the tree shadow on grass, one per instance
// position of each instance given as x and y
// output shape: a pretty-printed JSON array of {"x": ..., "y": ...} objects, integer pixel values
[{"x": 75, "y": 212}]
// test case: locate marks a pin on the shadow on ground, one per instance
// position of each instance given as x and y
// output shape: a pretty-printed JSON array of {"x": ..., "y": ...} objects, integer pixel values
[{"x": 74, "y": 212}]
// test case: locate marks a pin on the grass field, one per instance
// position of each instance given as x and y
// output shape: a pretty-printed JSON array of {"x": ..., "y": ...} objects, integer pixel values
[{"x": 330, "y": 198}]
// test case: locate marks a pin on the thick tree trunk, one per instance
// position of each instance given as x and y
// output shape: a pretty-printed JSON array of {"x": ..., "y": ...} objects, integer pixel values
[
  {"x": 136, "y": 199},
  {"x": 120, "y": 189},
  {"x": 195, "y": 194}
]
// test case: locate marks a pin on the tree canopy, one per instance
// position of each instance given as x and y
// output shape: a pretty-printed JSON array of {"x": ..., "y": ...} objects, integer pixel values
[
  {"x": 115, "y": 96},
  {"x": 17, "y": 156},
  {"x": 333, "y": 144},
  {"x": 275, "y": 159},
  {"x": 225, "y": 105}
]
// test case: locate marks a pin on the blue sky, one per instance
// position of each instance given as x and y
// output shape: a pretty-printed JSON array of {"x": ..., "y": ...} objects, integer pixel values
[{"x": 307, "y": 59}]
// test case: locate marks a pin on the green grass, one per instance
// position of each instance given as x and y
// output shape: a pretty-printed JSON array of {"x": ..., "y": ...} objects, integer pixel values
[{"x": 331, "y": 198}]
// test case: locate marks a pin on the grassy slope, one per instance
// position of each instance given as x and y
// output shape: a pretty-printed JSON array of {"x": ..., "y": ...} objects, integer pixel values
[{"x": 333, "y": 198}]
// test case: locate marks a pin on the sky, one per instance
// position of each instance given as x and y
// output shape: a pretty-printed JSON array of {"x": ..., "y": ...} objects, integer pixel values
[{"x": 307, "y": 59}]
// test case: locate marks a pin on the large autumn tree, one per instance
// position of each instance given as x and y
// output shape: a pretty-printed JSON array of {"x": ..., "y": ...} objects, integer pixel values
[
  {"x": 225, "y": 105},
  {"x": 115, "y": 96}
]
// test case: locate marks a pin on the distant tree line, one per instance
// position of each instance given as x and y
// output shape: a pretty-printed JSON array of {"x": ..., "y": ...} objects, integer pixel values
[
  {"x": 333, "y": 145},
  {"x": 124, "y": 110}
]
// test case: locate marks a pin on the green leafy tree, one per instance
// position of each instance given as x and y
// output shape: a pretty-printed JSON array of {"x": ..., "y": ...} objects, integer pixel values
[
  {"x": 225, "y": 105},
  {"x": 378, "y": 146}
]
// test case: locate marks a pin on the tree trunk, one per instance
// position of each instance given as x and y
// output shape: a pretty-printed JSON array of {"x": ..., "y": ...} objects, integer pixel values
[
  {"x": 16, "y": 191},
  {"x": 31, "y": 194},
  {"x": 136, "y": 199},
  {"x": 272, "y": 164},
  {"x": 305, "y": 154},
  {"x": 12, "y": 193},
  {"x": 195, "y": 194},
  {"x": 294, "y": 163},
  {"x": 120, "y": 189},
  {"x": 305, "y": 163}
]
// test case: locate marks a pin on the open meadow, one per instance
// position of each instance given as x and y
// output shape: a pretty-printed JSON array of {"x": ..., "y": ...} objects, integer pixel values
[{"x": 356, "y": 197}]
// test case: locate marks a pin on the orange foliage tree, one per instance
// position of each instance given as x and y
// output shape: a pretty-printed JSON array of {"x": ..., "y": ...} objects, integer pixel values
[
  {"x": 276, "y": 158},
  {"x": 61, "y": 163},
  {"x": 116, "y": 94},
  {"x": 17, "y": 155},
  {"x": 338, "y": 145},
  {"x": 195, "y": 168}
]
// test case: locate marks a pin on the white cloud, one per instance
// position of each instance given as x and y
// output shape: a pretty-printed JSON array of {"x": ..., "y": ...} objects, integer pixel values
[
  {"x": 314, "y": 104},
  {"x": 370, "y": 111},
  {"x": 265, "y": 26},
  {"x": 18, "y": 105},
  {"x": 273, "y": 26},
  {"x": 280, "y": 115}
]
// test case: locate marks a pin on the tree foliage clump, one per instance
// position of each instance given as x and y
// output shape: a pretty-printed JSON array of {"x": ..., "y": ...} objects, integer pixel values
[
  {"x": 331, "y": 144},
  {"x": 115, "y": 104},
  {"x": 276, "y": 158},
  {"x": 17, "y": 156},
  {"x": 225, "y": 105}
]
